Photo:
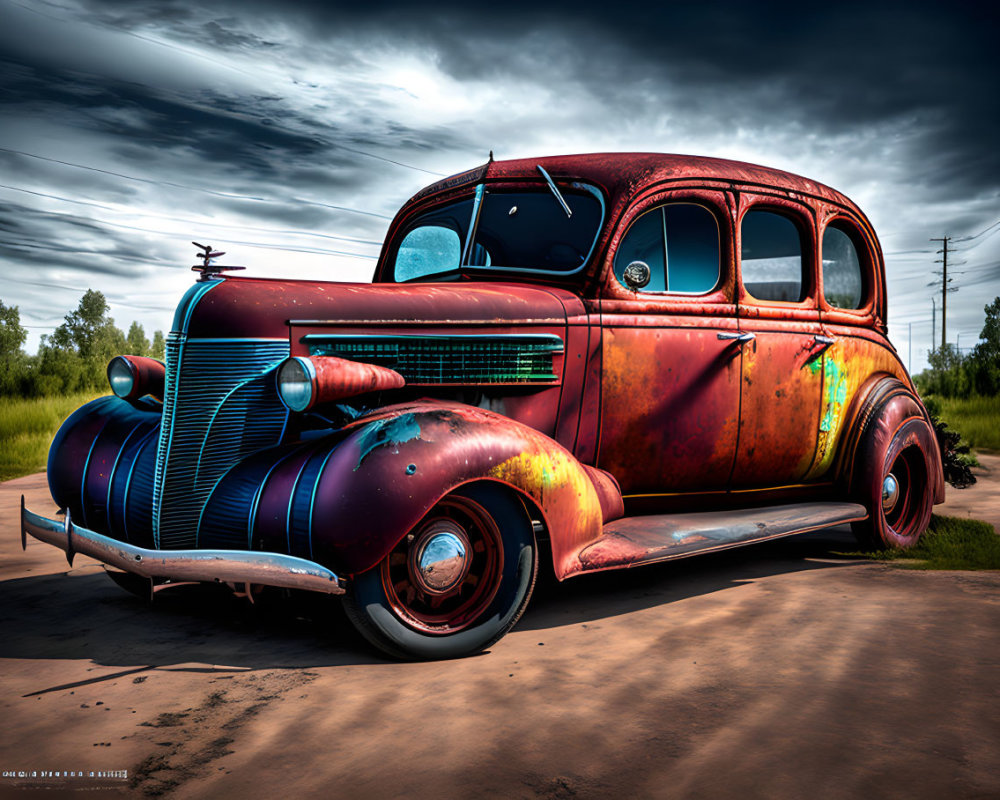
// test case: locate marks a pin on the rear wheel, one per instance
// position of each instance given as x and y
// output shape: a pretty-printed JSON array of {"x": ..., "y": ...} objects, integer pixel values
[
  {"x": 455, "y": 584},
  {"x": 892, "y": 480}
]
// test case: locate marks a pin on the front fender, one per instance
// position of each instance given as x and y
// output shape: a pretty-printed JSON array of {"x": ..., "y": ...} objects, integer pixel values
[
  {"x": 101, "y": 467},
  {"x": 348, "y": 499}
]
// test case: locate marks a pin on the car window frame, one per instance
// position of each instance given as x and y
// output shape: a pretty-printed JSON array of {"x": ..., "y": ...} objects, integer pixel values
[
  {"x": 661, "y": 208},
  {"x": 867, "y": 259},
  {"x": 385, "y": 272},
  {"x": 802, "y": 214},
  {"x": 719, "y": 301}
]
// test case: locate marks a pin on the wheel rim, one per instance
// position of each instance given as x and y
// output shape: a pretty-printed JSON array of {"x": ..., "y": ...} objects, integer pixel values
[
  {"x": 890, "y": 492},
  {"x": 901, "y": 508},
  {"x": 442, "y": 577}
]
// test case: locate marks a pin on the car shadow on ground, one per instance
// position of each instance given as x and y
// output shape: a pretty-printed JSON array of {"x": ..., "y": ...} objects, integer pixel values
[
  {"x": 85, "y": 616},
  {"x": 586, "y": 598}
]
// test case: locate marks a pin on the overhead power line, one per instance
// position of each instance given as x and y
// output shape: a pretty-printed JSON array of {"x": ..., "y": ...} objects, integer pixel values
[
  {"x": 71, "y": 218},
  {"x": 212, "y": 192},
  {"x": 25, "y": 246},
  {"x": 200, "y": 222},
  {"x": 970, "y": 238}
]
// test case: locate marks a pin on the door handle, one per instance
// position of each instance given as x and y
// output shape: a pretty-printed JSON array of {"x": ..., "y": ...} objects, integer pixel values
[
  {"x": 740, "y": 338},
  {"x": 823, "y": 342}
]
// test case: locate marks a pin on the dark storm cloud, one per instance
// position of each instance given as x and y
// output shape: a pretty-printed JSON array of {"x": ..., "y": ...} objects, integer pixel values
[
  {"x": 58, "y": 240},
  {"x": 216, "y": 128},
  {"x": 833, "y": 67},
  {"x": 165, "y": 121}
]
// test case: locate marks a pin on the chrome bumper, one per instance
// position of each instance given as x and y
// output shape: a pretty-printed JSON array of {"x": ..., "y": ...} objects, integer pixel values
[{"x": 219, "y": 566}]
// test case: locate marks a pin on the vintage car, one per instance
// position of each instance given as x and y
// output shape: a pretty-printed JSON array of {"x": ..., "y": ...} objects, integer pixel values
[{"x": 598, "y": 360}]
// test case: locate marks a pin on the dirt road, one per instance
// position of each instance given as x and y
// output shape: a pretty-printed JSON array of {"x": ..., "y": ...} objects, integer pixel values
[{"x": 776, "y": 671}]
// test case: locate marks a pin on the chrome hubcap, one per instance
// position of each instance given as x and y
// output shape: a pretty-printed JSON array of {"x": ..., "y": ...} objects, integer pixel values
[
  {"x": 440, "y": 559},
  {"x": 890, "y": 492}
]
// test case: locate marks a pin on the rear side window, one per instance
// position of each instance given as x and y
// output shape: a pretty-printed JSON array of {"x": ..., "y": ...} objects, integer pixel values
[
  {"x": 679, "y": 243},
  {"x": 842, "y": 279},
  {"x": 771, "y": 256}
]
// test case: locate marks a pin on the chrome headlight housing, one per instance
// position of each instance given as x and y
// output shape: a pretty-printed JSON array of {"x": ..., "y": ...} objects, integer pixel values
[
  {"x": 296, "y": 378},
  {"x": 135, "y": 377},
  {"x": 122, "y": 377},
  {"x": 304, "y": 382}
]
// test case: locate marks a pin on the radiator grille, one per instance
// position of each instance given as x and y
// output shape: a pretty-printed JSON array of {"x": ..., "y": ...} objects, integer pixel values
[
  {"x": 220, "y": 405},
  {"x": 525, "y": 358}
]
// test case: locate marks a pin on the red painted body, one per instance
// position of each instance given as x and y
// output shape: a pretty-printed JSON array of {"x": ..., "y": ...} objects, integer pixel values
[
  {"x": 639, "y": 402},
  {"x": 337, "y": 379}
]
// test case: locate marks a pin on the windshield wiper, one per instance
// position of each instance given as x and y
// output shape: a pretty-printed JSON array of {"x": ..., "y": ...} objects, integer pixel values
[
  {"x": 477, "y": 205},
  {"x": 555, "y": 190}
]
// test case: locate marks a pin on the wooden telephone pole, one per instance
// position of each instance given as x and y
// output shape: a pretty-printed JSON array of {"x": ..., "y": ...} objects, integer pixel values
[{"x": 944, "y": 287}]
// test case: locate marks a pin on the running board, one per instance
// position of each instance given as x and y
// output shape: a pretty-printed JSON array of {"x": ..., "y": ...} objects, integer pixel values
[{"x": 661, "y": 537}]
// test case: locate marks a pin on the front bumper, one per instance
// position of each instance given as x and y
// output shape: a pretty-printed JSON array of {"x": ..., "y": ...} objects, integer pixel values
[{"x": 218, "y": 566}]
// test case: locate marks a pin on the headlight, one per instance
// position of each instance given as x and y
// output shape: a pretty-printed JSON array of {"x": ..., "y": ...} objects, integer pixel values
[
  {"x": 295, "y": 383},
  {"x": 307, "y": 382},
  {"x": 121, "y": 376},
  {"x": 132, "y": 377}
]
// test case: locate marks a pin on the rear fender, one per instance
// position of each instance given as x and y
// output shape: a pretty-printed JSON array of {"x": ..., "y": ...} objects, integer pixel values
[{"x": 886, "y": 402}]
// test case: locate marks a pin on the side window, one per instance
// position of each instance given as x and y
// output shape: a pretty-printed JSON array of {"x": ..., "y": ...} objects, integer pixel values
[
  {"x": 771, "y": 257},
  {"x": 427, "y": 250},
  {"x": 644, "y": 242},
  {"x": 679, "y": 243},
  {"x": 842, "y": 280}
]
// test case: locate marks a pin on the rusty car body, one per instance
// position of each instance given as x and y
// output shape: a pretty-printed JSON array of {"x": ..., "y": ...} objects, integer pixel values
[{"x": 600, "y": 360}]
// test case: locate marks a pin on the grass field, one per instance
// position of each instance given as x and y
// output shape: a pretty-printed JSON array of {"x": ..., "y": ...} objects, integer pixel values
[
  {"x": 26, "y": 430},
  {"x": 949, "y": 543},
  {"x": 976, "y": 418}
]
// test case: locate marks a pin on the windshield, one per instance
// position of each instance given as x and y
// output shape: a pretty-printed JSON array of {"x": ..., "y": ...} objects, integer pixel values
[{"x": 523, "y": 231}]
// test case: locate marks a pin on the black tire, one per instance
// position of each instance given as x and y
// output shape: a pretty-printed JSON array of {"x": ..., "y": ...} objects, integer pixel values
[{"x": 390, "y": 607}]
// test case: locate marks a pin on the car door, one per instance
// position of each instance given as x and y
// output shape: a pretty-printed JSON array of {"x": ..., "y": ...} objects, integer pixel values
[
  {"x": 782, "y": 341},
  {"x": 670, "y": 370}
]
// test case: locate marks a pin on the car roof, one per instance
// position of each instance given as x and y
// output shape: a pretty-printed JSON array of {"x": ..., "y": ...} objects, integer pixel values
[{"x": 622, "y": 175}]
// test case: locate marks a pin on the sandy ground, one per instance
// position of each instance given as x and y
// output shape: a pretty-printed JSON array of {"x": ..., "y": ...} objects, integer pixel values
[
  {"x": 980, "y": 501},
  {"x": 781, "y": 670}
]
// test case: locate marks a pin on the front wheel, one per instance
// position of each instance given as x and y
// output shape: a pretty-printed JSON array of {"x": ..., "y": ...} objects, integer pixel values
[{"x": 455, "y": 584}]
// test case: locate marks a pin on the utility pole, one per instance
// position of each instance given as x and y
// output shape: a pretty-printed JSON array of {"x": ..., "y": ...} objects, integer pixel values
[
  {"x": 944, "y": 287},
  {"x": 909, "y": 349}
]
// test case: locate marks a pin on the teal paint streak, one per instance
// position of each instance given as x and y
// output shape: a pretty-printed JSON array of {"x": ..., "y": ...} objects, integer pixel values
[
  {"x": 835, "y": 388},
  {"x": 387, "y": 433}
]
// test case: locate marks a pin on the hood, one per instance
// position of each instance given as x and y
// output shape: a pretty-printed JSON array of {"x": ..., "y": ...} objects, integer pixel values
[{"x": 259, "y": 308}]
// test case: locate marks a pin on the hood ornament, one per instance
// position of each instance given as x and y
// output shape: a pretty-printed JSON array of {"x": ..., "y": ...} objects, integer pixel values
[{"x": 207, "y": 269}]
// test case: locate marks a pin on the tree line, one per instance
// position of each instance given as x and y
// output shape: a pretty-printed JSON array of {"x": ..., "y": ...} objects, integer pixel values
[
  {"x": 952, "y": 374},
  {"x": 74, "y": 358}
]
